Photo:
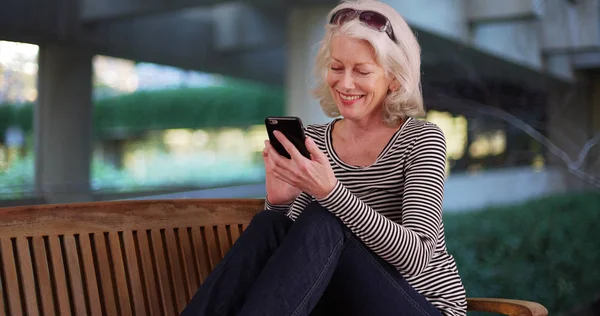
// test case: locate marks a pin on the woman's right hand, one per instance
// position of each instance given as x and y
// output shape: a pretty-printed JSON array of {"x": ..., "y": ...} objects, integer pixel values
[{"x": 278, "y": 191}]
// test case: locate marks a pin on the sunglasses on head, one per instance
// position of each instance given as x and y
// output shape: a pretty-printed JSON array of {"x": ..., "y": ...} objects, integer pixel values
[{"x": 372, "y": 19}]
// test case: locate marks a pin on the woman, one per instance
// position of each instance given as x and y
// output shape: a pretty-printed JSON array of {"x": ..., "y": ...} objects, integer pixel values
[{"x": 357, "y": 229}]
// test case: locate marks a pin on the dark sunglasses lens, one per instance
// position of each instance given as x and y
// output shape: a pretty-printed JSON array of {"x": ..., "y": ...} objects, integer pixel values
[
  {"x": 342, "y": 16},
  {"x": 374, "y": 20}
]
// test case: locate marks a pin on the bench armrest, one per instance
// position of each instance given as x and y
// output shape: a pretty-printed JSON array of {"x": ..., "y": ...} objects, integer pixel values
[{"x": 506, "y": 307}]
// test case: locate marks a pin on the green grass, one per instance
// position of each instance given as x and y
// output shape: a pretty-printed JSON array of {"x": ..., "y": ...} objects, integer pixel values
[{"x": 546, "y": 250}]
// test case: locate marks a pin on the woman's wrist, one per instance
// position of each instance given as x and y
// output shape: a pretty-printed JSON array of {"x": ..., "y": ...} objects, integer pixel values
[
  {"x": 326, "y": 192},
  {"x": 278, "y": 202}
]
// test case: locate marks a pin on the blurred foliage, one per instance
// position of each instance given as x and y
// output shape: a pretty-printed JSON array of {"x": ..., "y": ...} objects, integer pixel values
[
  {"x": 17, "y": 182},
  {"x": 544, "y": 250},
  {"x": 232, "y": 105}
]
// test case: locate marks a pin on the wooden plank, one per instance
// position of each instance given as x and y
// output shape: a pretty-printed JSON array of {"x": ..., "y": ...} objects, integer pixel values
[
  {"x": 106, "y": 284},
  {"x": 89, "y": 269},
  {"x": 75, "y": 276},
  {"x": 3, "y": 306},
  {"x": 153, "y": 296},
  {"x": 79, "y": 218},
  {"x": 235, "y": 232},
  {"x": 60, "y": 277},
  {"x": 189, "y": 266},
  {"x": 223, "y": 240},
  {"x": 11, "y": 281},
  {"x": 42, "y": 270},
  {"x": 214, "y": 249},
  {"x": 162, "y": 273},
  {"x": 119, "y": 270},
  {"x": 27, "y": 277},
  {"x": 135, "y": 276},
  {"x": 201, "y": 254},
  {"x": 175, "y": 262}
]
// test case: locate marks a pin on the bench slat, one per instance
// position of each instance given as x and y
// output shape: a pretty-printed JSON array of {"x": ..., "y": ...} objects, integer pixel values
[
  {"x": 189, "y": 267},
  {"x": 89, "y": 268},
  {"x": 96, "y": 217},
  {"x": 3, "y": 307},
  {"x": 105, "y": 280},
  {"x": 75, "y": 276},
  {"x": 27, "y": 277},
  {"x": 10, "y": 274},
  {"x": 153, "y": 296},
  {"x": 209, "y": 237},
  {"x": 175, "y": 264},
  {"x": 235, "y": 232},
  {"x": 135, "y": 275},
  {"x": 42, "y": 271},
  {"x": 223, "y": 239},
  {"x": 162, "y": 273},
  {"x": 201, "y": 253},
  {"x": 118, "y": 268},
  {"x": 60, "y": 278}
]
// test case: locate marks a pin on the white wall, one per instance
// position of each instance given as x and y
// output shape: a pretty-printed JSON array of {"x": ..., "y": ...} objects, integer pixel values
[{"x": 500, "y": 187}]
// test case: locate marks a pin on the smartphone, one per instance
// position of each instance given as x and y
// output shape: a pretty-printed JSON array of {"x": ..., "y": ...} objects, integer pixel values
[{"x": 292, "y": 128}]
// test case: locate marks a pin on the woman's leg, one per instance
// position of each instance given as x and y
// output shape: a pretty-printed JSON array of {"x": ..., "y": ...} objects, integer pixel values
[
  {"x": 225, "y": 289},
  {"x": 364, "y": 284},
  {"x": 297, "y": 274}
]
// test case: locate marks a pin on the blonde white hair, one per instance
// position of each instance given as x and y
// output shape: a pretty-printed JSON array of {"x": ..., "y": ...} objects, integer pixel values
[{"x": 401, "y": 60}]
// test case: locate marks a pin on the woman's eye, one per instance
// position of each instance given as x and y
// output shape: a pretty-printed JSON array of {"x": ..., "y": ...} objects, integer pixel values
[
  {"x": 364, "y": 73},
  {"x": 336, "y": 68}
]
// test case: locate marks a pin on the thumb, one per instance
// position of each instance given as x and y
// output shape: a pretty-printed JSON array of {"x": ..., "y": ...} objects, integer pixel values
[{"x": 315, "y": 152}]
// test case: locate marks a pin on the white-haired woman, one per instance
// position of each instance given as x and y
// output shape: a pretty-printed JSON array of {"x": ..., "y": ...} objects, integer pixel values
[{"x": 357, "y": 229}]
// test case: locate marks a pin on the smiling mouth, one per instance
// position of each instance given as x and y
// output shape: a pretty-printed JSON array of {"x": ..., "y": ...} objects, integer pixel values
[{"x": 349, "y": 98}]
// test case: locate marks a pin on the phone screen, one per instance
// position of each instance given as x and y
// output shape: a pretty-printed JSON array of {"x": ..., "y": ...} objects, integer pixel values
[{"x": 292, "y": 128}]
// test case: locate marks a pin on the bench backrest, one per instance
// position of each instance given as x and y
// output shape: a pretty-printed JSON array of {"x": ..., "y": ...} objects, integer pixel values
[{"x": 114, "y": 258}]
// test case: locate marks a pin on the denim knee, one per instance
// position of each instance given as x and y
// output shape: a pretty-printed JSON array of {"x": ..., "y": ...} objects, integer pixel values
[
  {"x": 316, "y": 214},
  {"x": 270, "y": 218}
]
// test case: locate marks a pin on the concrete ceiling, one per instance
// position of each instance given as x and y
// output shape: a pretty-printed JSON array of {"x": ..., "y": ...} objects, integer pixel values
[{"x": 241, "y": 39}]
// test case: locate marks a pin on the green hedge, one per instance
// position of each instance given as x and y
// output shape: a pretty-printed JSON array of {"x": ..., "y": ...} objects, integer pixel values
[
  {"x": 546, "y": 251},
  {"x": 234, "y": 105}
]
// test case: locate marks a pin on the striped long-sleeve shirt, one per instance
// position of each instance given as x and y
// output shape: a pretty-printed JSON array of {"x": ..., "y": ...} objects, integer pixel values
[{"x": 395, "y": 207}]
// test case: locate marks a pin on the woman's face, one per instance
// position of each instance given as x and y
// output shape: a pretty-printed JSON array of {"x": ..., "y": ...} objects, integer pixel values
[{"x": 356, "y": 81}]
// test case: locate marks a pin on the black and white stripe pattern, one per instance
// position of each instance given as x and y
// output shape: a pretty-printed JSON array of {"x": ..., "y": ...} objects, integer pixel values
[{"x": 395, "y": 207}]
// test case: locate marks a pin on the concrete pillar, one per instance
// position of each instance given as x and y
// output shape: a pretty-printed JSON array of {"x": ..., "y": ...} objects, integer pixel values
[
  {"x": 569, "y": 127},
  {"x": 594, "y": 166},
  {"x": 63, "y": 124},
  {"x": 306, "y": 29}
]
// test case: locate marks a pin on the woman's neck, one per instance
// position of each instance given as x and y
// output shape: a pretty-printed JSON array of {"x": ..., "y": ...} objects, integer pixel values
[{"x": 363, "y": 130}]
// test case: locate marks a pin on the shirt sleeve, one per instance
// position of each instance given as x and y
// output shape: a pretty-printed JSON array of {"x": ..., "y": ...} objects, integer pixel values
[
  {"x": 409, "y": 245},
  {"x": 283, "y": 208}
]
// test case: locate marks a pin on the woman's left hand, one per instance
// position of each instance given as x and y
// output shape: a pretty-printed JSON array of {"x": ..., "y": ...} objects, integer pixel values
[{"x": 313, "y": 176}]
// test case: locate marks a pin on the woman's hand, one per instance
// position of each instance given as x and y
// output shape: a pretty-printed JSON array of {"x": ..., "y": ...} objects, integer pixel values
[
  {"x": 278, "y": 191},
  {"x": 313, "y": 176}
]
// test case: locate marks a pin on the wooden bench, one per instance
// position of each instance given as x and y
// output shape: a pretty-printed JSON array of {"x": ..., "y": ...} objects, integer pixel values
[{"x": 129, "y": 257}]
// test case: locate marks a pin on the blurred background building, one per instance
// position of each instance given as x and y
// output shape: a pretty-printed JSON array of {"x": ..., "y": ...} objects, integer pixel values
[{"x": 121, "y": 98}]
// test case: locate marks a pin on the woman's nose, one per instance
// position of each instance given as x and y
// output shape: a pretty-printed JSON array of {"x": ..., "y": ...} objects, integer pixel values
[{"x": 347, "y": 81}]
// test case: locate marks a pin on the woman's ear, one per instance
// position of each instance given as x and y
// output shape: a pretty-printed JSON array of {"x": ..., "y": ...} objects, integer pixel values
[{"x": 394, "y": 85}]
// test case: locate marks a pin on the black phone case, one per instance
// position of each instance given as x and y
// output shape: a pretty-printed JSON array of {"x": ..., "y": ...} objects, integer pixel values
[{"x": 292, "y": 128}]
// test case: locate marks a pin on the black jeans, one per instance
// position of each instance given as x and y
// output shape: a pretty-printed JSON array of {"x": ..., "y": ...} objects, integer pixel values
[{"x": 311, "y": 266}]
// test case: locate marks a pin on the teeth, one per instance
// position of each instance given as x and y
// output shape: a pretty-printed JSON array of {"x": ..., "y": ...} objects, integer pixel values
[{"x": 349, "y": 98}]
